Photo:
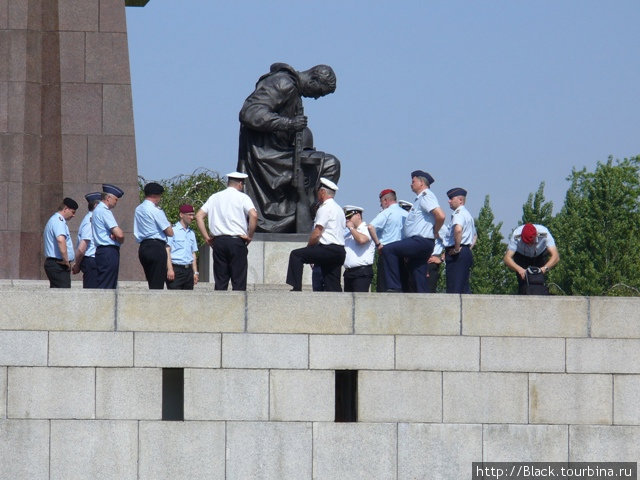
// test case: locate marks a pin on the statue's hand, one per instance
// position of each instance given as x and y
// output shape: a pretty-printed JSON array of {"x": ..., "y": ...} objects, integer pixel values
[{"x": 298, "y": 123}]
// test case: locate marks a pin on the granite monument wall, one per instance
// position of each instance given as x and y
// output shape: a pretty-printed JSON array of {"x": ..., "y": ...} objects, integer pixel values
[{"x": 442, "y": 381}]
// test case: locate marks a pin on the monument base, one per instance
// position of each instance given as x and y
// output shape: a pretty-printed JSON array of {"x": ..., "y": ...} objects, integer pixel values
[{"x": 268, "y": 259}]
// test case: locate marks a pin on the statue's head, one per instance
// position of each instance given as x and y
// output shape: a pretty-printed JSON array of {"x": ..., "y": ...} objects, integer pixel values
[{"x": 320, "y": 81}]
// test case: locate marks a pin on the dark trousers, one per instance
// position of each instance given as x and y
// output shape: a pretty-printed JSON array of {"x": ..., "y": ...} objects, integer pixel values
[
  {"x": 329, "y": 257},
  {"x": 108, "y": 265},
  {"x": 358, "y": 279},
  {"x": 183, "y": 279},
  {"x": 526, "y": 262},
  {"x": 229, "y": 262},
  {"x": 153, "y": 257},
  {"x": 433, "y": 274},
  {"x": 458, "y": 269},
  {"x": 59, "y": 275},
  {"x": 317, "y": 282},
  {"x": 89, "y": 272},
  {"x": 417, "y": 250}
]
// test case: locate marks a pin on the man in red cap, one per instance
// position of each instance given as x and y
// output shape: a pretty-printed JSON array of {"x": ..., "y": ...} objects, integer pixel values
[
  {"x": 182, "y": 263},
  {"x": 530, "y": 245}
]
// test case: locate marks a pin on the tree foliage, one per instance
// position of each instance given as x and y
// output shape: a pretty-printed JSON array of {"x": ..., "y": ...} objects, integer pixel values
[
  {"x": 489, "y": 274},
  {"x": 597, "y": 231},
  {"x": 537, "y": 209},
  {"x": 194, "y": 189}
]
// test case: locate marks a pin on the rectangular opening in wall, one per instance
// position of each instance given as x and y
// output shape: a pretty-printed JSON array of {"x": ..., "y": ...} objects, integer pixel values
[
  {"x": 173, "y": 394},
  {"x": 346, "y": 396}
]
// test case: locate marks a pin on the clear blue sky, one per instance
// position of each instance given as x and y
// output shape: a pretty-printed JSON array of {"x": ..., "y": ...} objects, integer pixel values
[{"x": 492, "y": 96}]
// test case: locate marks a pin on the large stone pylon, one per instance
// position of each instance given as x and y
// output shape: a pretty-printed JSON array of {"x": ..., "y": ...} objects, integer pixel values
[{"x": 66, "y": 122}]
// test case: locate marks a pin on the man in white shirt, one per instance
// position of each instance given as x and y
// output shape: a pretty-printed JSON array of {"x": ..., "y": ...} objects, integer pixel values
[
  {"x": 325, "y": 246},
  {"x": 232, "y": 223},
  {"x": 359, "y": 248}
]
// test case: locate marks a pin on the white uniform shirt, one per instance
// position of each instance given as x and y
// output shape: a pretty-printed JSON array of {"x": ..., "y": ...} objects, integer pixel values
[
  {"x": 331, "y": 217},
  {"x": 462, "y": 217},
  {"x": 358, "y": 255},
  {"x": 543, "y": 240},
  {"x": 227, "y": 212}
]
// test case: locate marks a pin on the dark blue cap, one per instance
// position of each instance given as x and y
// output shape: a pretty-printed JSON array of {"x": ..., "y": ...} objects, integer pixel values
[
  {"x": 93, "y": 196},
  {"x": 457, "y": 191},
  {"x": 70, "y": 203},
  {"x": 112, "y": 189},
  {"x": 422, "y": 173}
]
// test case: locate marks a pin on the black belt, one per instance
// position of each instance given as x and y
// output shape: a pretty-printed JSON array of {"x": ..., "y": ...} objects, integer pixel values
[
  {"x": 117, "y": 247},
  {"x": 54, "y": 259},
  {"x": 153, "y": 240},
  {"x": 186, "y": 267},
  {"x": 355, "y": 269}
]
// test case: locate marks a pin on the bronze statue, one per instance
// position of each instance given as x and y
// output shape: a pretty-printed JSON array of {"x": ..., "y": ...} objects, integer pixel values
[{"x": 276, "y": 149}]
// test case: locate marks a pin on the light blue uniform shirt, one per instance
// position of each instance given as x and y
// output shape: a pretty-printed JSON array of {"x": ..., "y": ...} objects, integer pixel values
[
  {"x": 543, "y": 240},
  {"x": 183, "y": 244},
  {"x": 149, "y": 222},
  {"x": 55, "y": 227},
  {"x": 102, "y": 222},
  {"x": 462, "y": 217},
  {"x": 439, "y": 246},
  {"x": 420, "y": 221},
  {"x": 389, "y": 222},
  {"x": 85, "y": 233}
]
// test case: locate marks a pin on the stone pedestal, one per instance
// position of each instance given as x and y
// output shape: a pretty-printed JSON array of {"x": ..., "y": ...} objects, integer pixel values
[
  {"x": 66, "y": 122},
  {"x": 268, "y": 259}
]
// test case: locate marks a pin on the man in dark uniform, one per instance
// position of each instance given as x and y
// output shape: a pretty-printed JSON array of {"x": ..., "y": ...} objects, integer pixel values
[
  {"x": 86, "y": 247},
  {"x": 58, "y": 248},
  {"x": 108, "y": 237},
  {"x": 269, "y": 120},
  {"x": 151, "y": 229}
]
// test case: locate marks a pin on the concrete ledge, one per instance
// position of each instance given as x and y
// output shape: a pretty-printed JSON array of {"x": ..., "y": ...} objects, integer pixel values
[
  {"x": 174, "y": 311},
  {"x": 254, "y": 350},
  {"x": 177, "y": 350},
  {"x": 595, "y": 355},
  {"x": 525, "y": 443},
  {"x": 439, "y": 353},
  {"x": 524, "y": 316},
  {"x": 91, "y": 349},
  {"x": 615, "y": 317},
  {"x": 300, "y": 312},
  {"x": 351, "y": 352},
  {"x": 57, "y": 309},
  {"x": 517, "y": 354},
  {"x": 407, "y": 314}
]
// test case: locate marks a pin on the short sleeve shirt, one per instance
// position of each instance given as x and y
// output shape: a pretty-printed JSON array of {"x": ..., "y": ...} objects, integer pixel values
[
  {"x": 358, "y": 255},
  {"x": 102, "y": 222},
  {"x": 543, "y": 240},
  {"x": 462, "y": 217},
  {"x": 85, "y": 233},
  {"x": 331, "y": 217},
  {"x": 149, "y": 222},
  {"x": 389, "y": 223},
  {"x": 227, "y": 212},
  {"x": 420, "y": 221},
  {"x": 183, "y": 245},
  {"x": 55, "y": 227}
]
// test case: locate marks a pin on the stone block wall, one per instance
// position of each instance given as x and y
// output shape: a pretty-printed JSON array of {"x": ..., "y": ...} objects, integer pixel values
[{"x": 443, "y": 381}]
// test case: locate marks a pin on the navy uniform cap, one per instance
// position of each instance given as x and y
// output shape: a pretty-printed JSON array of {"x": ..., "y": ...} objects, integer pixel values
[
  {"x": 70, "y": 203},
  {"x": 422, "y": 173},
  {"x": 350, "y": 210},
  {"x": 153, "y": 188},
  {"x": 405, "y": 205},
  {"x": 457, "y": 191},
  {"x": 93, "y": 196},
  {"x": 326, "y": 183},
  {"x": 112, "y": 189}
]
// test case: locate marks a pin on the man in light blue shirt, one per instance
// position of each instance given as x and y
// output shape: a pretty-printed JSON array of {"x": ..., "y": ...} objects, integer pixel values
[
  {"x": 459, "y": 241},
  {"x": 86, "y": 247},
  {"x": 182, "y": 266},
  {"x": 108, "y": 237},
  {"x": 58, "y": 248},
  {"x": 385, "y": 228},
  {"x": 420, "y": 230},
  {"x": 151, "y": 229}
]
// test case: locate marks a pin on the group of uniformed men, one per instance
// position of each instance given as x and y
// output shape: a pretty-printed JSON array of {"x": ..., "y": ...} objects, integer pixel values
[{"x": 412, "y": 241}]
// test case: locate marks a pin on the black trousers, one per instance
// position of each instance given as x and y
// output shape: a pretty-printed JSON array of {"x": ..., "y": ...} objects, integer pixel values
[
  {"x": 89, "y": 272},
  {"x": 433, "y": 274},
  {"x": 229, "y": 262},
  {"x": 183, "y": 279},
  {"x": 417, "y": 250},
  {"x": 59, "y": 275},
  {"x": 108, "y": 265},
  {"x": 358, "y": 279},
  {"x": 525, "y": 262},
  {"x": 329, "y": 257},
  {"x": 152, "y": 254},
  {"x": 458, "y": 269}
]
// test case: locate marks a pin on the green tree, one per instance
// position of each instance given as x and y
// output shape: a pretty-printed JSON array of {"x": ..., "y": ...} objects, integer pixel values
[
  {"x": 194, "y": 189},
  {"x": 489, "y": 274},
  {"x": 598, "y": 231},
  {"x": 537, "y": 209}
]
